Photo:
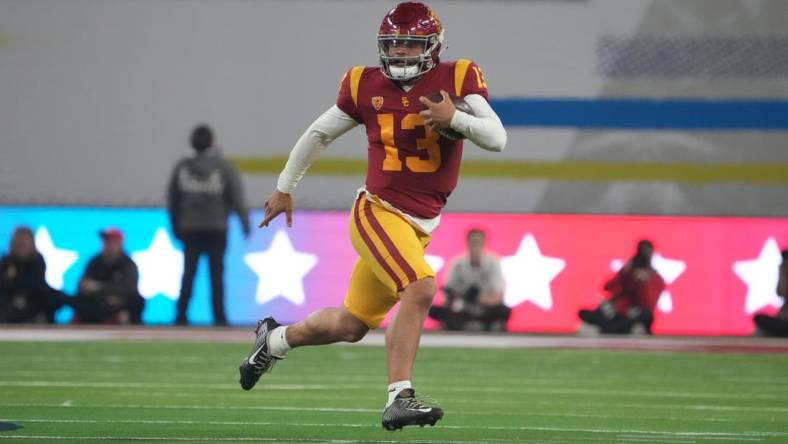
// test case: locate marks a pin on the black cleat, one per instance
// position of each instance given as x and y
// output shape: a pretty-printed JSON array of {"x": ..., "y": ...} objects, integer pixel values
[
  {"x": 407, "y": 410},
  {"x": 259, "y": 361}
]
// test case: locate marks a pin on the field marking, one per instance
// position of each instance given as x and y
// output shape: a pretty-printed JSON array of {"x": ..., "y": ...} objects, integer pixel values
[
  {"x": 332, "y": 387},
  {"x": 331, "y": 441},
  {"x": 534, "y": 383},
  {"x": 443, "y": 400},
  {"x": 198, "y": 407},
  {"x": 164, "y": 385},
  {"x": 366, "y": 425},
  {"x": 265, "y": 439},
  {"x": 542, "y": 388},
  {"x": 376, "y": 375},
  {"x": 242, "y": 438},
  {"x": 652, "y": 433},
  {"x": 701, "y": 407},
  {"x": 662, "y": 344},
  {"x": 337, "y": 441},
  {"x": 650, "y": 439},
  {"x": 70, "y": 404}
]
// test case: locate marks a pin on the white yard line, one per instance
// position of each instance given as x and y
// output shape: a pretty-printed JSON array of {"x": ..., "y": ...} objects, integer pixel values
[
  {"x": 197, "y": 407},
  {"x": 320, "y": 382},
  {"x": 238, "y": 439},
  {"x": 334, "y": 441},
  {"x": 651, "y": 433},
  {"x": 769, "y": 385},
  {"x": 330, "y": 441},
  {"x": 521, "y": 415},
  {"x": 376, "y": 338},
  {"x": 454, "y": 389},
  {"x": 70, "y": 404},
  {"x": 700, "y": 407},
  {"x": 650, "y": 439},
  {"x": 163, "y": 385}
]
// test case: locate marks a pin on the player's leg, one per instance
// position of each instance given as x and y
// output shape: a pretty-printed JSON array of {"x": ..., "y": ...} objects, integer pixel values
[
  {"x": 325, "y": 326},
  {"x": 402, "y": 342},
  {"x": 273, "y": 341},
  {"x": 337, "y": 324},
  {"x": 404, "y": 331},
  {"x": 349, "y": 323},
  {"x": 394, "y": 250},
  {"x": 368, "y": 299}
]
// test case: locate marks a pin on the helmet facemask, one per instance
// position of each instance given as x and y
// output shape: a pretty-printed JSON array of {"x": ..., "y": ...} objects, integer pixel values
[{"x": 403, "y": 68}]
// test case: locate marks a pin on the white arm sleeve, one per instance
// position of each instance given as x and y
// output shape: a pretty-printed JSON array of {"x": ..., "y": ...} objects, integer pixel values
[
  {"x": 485, "y": 129},
  {"x": 329, "y": 126}
]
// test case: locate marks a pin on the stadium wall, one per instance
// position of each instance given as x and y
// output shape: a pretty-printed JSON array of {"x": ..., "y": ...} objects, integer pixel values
[
  {"x": 638, "y": 106},
  {"x": 719, "y": 271}
]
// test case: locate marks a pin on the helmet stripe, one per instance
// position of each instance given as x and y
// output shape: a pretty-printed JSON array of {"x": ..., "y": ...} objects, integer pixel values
[
  {"x": 355, "y": 79},
  {"x": 460, "y": 69}
]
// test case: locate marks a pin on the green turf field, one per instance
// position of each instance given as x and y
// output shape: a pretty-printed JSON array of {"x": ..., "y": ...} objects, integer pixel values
[{"x": 181, "y": 392}]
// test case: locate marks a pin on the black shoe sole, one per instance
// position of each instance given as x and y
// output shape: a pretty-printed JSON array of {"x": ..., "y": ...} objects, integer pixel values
[
  {"x": 248, "y": 386},
  {"x": 392, "y": 426}
]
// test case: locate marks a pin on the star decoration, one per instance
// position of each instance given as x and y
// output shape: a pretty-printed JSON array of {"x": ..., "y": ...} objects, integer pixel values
[
  {"x": 528, "y": 274},
  {"x": 761, "y": 275},
  {"x": 280, "y": 270},
  {"x": 160, "y": 267},
  {"x": 58, "y": 260}
]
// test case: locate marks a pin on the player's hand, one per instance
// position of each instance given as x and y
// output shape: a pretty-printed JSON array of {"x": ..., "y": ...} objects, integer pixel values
[
  {"x": 278, "y": 203},
  {"x": 438, "y": 114}
]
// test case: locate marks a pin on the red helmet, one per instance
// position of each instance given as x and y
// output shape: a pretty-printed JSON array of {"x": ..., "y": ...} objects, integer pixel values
[{"x": 409, "y": 24}]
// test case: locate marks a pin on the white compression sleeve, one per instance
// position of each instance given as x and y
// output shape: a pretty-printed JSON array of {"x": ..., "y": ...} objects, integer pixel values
[
  {"x": 485, "y": 129},
  {"x": 329, "y": 126}
]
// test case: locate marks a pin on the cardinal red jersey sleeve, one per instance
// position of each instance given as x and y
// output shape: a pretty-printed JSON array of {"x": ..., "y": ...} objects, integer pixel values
[
  {"x": 469, "y": 79},
  {"x": 651, "y": 290},
  {"x": 347, "y": 98}
]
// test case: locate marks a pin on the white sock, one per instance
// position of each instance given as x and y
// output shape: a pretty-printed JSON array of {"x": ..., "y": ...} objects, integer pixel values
[
  {"x": 277, "y": 342},
  {"x": 395, "y": 388}
]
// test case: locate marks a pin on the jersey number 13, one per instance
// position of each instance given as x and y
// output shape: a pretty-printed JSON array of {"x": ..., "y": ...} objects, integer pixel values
[{"x": 415, "y": 164}]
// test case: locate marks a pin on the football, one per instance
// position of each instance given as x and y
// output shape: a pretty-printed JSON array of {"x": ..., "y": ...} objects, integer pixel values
[{"x": 460, "y": 104}]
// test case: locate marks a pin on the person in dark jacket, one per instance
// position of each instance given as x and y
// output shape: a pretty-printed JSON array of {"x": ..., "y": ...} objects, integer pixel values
[
  {"x": 634, "y": 292},
  {"x": 776, "y": 325},
  {"x": 108, "y": 288},
  {"x": 203, "y": 191},
  {"x": 25, "y": 295}
]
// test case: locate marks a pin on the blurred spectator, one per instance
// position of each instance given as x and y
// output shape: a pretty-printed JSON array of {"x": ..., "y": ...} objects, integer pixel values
[
  {"x": 203, "y": 190},
  {"x": 776, "y": 325},
  {"x": 24, "y": 293},
  {"x": 474, "y": 291},
  {"x": 634, "y": 292},
  {"x": 108, "y": 288}
]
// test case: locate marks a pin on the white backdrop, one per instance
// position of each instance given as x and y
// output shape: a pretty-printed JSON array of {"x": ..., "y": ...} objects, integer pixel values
[{"x": 97, "y": 97}]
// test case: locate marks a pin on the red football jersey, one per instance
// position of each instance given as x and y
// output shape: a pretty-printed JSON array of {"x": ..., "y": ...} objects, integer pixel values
[{"x": 409, "y": 165}]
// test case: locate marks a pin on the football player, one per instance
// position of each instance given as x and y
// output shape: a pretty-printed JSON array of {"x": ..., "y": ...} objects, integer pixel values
[{"x": 412, "y": 168}]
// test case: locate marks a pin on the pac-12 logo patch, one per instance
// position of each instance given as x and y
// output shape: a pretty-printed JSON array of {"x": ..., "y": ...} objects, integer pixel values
[{"x": 377, "y": 102}]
